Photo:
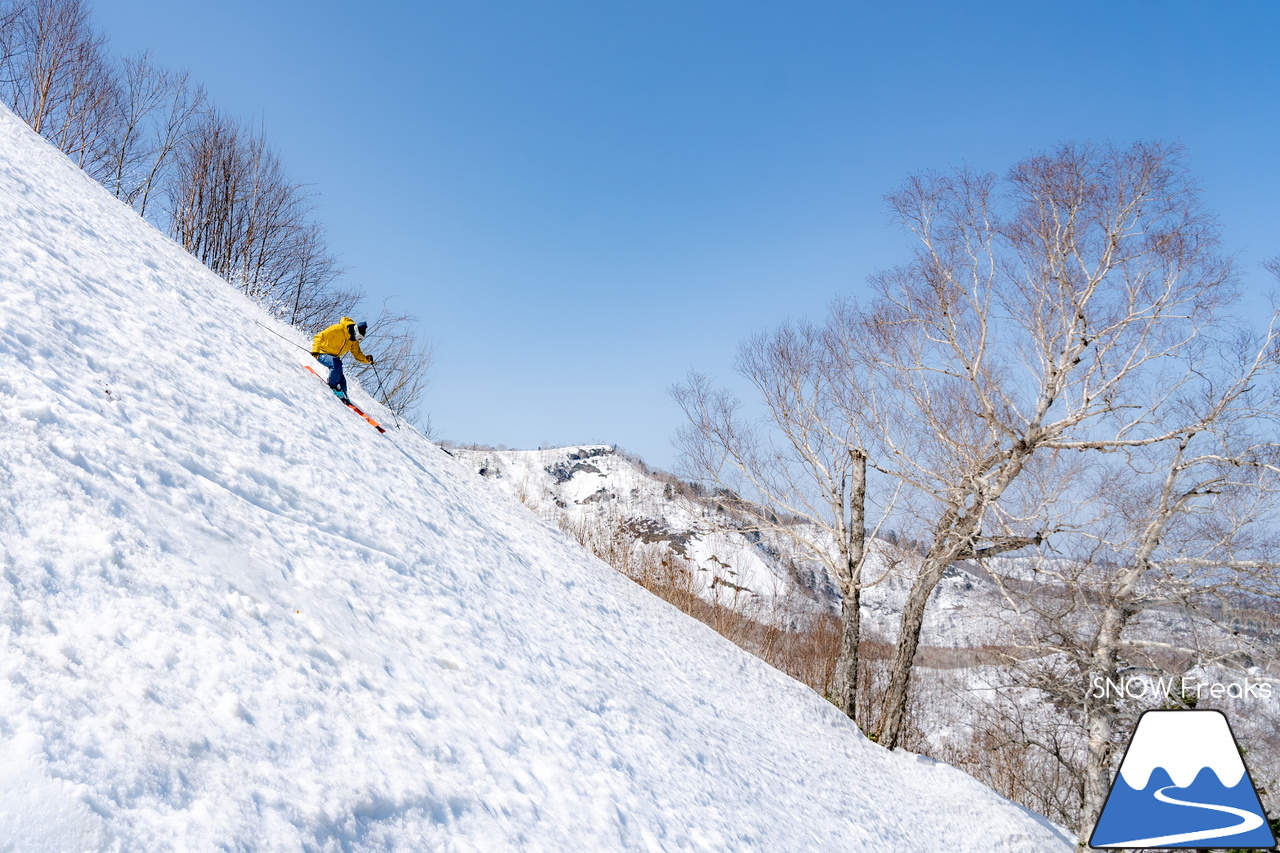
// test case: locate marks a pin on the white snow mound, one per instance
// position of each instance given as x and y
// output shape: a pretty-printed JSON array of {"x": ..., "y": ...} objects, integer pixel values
[{"x": 235, "y": 617}]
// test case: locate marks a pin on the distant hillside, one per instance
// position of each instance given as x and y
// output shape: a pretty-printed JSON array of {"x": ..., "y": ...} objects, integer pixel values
[{"x": 600, "y": 487}]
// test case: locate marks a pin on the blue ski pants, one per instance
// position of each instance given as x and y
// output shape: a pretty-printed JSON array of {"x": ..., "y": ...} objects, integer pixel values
[{"x": 337, "y": 381}]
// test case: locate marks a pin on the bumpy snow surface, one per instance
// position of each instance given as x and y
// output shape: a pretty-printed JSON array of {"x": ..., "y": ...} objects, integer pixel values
[{"x": 235, "y": 617}]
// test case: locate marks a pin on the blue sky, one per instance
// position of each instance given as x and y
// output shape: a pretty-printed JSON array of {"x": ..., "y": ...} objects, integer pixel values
[{"x": 583, "y": 200}]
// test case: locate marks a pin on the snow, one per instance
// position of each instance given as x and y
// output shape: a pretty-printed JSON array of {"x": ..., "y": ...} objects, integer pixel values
[
  {"x": 233, "y": 616},
  {"x": 596, "y": 483}
]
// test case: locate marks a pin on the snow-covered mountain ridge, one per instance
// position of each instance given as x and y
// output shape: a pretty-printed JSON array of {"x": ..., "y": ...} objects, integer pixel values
[
  {"x": 764, "y": 577},
  {"x": 598, "y": 483},
  {"x": 233, "y": 616}
]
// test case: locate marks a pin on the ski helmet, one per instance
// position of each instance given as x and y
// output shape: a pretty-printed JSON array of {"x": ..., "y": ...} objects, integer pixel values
[{"x": 358, "y": 332}]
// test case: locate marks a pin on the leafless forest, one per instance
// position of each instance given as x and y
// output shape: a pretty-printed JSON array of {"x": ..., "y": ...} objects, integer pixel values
[{"x": 154, "y": 138}]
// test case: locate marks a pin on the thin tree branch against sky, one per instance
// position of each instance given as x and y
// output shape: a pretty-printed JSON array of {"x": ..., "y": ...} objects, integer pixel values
[{"x": 581, "y": 200}]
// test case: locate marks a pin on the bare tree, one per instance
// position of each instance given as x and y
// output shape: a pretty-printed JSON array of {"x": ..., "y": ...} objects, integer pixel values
[
  {"x": 1176, "y": 546},
  {"x": 308, "y": 300},
  {"x": 143, "y": 95},
  {"x": 231, "y": 205},
  {"x": 187, "y": 103},
  {"x": 10, "y": 44},
  {"x": 158, "y": 111},
  {"x": 401, "y": 373},
  {"x": 121, "y": 125},
  {"x": 1041, "y": 314},
  {"x": 59, "y": 81},
  {"x": 798, "y": 472}
]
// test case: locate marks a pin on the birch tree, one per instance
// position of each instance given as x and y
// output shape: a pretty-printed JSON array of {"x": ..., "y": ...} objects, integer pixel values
[
  {"x": 1173, "y": 547},
  {"x": 797, "y": 472},
  {"x": 1041, "y": 314}
]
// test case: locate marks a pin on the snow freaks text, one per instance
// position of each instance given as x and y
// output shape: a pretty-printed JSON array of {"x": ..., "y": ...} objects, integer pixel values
[{"x": 1186, "y": 686}]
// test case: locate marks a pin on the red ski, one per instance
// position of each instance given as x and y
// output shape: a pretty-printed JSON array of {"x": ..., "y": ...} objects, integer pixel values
[
  {"x": 371, "y": 421},
  {"x": 359, "y": 412}
]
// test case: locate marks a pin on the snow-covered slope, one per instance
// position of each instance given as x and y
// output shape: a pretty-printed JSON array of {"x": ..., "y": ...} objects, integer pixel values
[{"x": 234, "y": 617}]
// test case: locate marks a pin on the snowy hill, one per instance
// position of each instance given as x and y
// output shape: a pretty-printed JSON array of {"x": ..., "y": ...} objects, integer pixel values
[
  {"x": 764, "y": 577},
  {"x": 233, "y": 616},
  {"x": 598, "y": 484}
]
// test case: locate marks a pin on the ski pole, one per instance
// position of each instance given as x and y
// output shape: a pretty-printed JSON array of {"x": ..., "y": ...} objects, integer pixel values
[
  {"x": 383, "y": 392},
  {"x": 280, "y": 336}
]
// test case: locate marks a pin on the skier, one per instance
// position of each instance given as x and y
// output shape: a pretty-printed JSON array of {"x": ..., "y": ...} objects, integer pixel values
[{"x": 330, "y": 345}]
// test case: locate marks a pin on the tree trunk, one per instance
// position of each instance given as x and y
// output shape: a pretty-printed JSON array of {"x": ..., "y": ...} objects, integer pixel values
[
  {"x": 893, "y": 715},
  {"x": 846, "y": 685},
  {"x": 1100, "y": 722},
  {"x": 1100, "y": 710},
  {"x": 954, "y": 527},
  {"x": 853, "y": 537}
]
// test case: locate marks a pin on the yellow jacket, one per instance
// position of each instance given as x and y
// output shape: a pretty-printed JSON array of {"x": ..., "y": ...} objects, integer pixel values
[{"x": 339, "y": 339}]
